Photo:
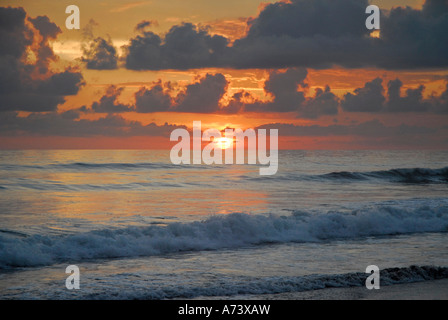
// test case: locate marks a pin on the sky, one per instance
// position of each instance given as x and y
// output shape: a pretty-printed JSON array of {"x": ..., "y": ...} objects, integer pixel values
[{"x": 137, "y": 70}]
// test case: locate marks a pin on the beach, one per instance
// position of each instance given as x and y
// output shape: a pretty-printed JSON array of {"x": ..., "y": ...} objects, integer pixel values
[{"x": 425, "y": 290}]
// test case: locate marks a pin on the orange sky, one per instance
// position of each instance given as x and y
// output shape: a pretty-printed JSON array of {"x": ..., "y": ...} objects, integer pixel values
[{"x": 117, "y": 20}]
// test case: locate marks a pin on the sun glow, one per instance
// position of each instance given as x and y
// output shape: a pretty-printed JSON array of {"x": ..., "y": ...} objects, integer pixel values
[
  {"x": 223, "y": 142},
  {"x": 375, "y": 34}
]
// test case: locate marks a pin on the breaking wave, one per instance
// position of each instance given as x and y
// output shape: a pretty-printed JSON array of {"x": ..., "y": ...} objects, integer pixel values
[
  {"x": 273, "y": 285},
  {"x": 413, "y": 175},
  {"x": 219, "y": 232}
]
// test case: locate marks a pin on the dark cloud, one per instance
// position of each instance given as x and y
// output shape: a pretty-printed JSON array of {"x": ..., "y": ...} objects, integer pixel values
[
  {"x": 141, "y": 26},
  {"x": 100, "y": 54},
  {"x": 324, "y": 102},
  {"x": 46, "y": 28},
  {"x": 412, "y": 101},
  {"x": 298, "y": 19},
  {"x": 367, "y": 134},
  {"x": 412, "y": 38},
  {"x": 373, "y": 128},
  {"x": 155, "y": 99},
  {"x": 27, "y": 82},
  {"x": 87, "y": 30},
  {"x": 30, "y": 101},
  {"x": 109, "y": 104},
  {"x": 68, "y": 124},
  {"x": 323, "y": 33},
  {"x": 60, "y": 84},
  {"x": 283, "y": 87},
  {"x": 203, "y": 96},
  {"x": 303, "y": 33},
  {"x": 370, "y": 98},
  {"x": 286, "y": 90},
  {"x": 44, "y": 53},
  {"x": 15, "y": 36},
  {"x": 237, "y": 102},
  {"x": 183, "y": 47},
  {"x": 439, "y": 104}
]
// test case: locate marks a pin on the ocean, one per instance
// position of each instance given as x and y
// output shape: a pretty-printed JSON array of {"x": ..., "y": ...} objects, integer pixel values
[{"x": 139, "y": 227}]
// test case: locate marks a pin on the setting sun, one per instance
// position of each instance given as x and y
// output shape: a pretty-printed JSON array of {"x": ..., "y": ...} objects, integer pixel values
[{"x": 224, "y": 143}]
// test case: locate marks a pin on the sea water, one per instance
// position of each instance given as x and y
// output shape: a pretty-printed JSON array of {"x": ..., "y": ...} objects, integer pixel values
[{"x": 139, "y": 227}]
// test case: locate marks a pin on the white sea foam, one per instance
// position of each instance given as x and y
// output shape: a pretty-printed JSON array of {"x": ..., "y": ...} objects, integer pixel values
[
  {"x": 230, "y": 286},
  {"x": 257, "y": 286},
  {"x": 223, "y": 231}
]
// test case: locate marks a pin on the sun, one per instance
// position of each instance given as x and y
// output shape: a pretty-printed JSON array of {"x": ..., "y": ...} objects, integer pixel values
[{"x": 223, "y": 142}]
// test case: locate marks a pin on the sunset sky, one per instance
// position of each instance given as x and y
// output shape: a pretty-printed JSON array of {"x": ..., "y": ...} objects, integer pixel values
[{"x": 136, "y": 70}]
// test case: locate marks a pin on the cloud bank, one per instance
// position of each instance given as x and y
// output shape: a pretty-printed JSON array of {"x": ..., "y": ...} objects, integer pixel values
[
  {"x": 27, "y": 83},
  {"x": 302, "y": 33},
  {"x": 286, "y": 91}
]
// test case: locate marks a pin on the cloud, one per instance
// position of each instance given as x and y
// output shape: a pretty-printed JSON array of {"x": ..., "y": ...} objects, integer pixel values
[
  {"x": 324, "y": 102},
  {"x": 287, "y": 89},
  {"x": 283, "y": 87},
  {"x": 27, "y": 82},
  {"x": 47, "y": 29},
  {"x": 44, "y": 53},
  {"x": 414, "y": 38},
  {"x": 323, "y": 33},
  {"x": 303, "y": 33},
  {"x": 286, "y": 92},
  {"x": 87, "y": 29},
  {"x": 141, "y": 26},
  {"x": 370, "y": 98},
  {"x": 185, "y": 46},
  {"x": 100, "y": 55},
  {"x": 108, "y": 103},
  {"x": 68, "y": 124},
  {"x": 372, "y": 128},
  {"x": 439, "y": 104},
  {"x": 204, "y": 95},
  {"x": 411, "y": 102},
  {"x": 237, "y": 102},
  {"x": 367, "y": 134},
  {"x": 155, "y": 99},
  {"x": 13, "y": 31}
]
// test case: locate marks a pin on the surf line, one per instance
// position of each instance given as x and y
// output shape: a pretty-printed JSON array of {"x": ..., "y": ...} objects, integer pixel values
[{"x": 212, "y": 153}]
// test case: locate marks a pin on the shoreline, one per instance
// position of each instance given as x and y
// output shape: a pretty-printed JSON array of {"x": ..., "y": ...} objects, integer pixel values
[{"x": 423, "y": 290}]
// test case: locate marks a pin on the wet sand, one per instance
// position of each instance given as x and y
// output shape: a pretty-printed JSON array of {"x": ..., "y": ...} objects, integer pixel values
[{"x": 426, "y": 290}]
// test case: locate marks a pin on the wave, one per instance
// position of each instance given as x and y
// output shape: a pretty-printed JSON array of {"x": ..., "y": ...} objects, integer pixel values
[
  {"x": 220, "y": 232},
  {"x": 272, "y": 285},
  {"x": 88, "y": 166},
  {"x": 412, "y": 175},
  {"x": 56, "y": 186}
]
